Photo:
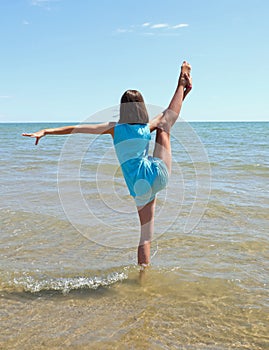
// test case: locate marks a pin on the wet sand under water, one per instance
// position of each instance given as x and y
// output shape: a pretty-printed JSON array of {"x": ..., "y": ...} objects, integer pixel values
[{"x": 167, "y": 310}]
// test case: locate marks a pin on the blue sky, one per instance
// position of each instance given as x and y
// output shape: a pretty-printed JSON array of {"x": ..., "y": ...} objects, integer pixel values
[{"x": 63, "y": 60}]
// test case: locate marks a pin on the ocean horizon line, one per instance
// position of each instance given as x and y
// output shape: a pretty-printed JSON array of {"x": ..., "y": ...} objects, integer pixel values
[{"x": 84, "y": 122}]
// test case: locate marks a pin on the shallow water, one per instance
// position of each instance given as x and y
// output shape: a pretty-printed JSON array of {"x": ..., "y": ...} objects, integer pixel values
[{"x": 68, "y": 275}]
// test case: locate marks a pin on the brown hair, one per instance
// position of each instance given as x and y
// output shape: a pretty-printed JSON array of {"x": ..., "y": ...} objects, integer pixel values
[{"x": 132, "y": 108}]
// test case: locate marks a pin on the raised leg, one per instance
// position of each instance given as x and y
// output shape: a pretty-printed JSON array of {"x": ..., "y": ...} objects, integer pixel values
[
  {"x": 162, "y": 147},
  {"x": 164, "y": 122}
]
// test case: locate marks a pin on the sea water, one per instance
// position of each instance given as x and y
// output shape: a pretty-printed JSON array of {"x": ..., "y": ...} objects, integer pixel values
[{"x": 69, "y": 230}]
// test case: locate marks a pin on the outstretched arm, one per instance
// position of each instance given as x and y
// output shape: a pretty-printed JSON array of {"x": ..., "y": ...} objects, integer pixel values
[{"x": 104, "y": 128}]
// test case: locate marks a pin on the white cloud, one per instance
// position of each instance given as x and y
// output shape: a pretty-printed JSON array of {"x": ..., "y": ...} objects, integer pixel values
[
  {"x": 25, "y": 22},
  {"x": 4, "y": 96},
  {"x": 181, "y": 25},
  {"x": 148, "y": 34},
  {"x": 40, "y": 2},
  {"x": 144, "y": 29},
  {"x": 121, "y": 30},
  {"x": 160, "y": 25},
  {"x": 43, "y": 3}
]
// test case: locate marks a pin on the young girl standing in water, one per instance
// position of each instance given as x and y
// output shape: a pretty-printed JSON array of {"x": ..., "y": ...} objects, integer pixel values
[{"x": 144, "y": 175}]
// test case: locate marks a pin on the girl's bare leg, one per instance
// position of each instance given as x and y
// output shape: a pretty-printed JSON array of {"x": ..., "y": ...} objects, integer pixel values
[
  {"x": 146, "y": 216},
  {"x": 165, "y": 121},
  {"x": 162, "y": 147},
  {"x": 170, "y": 115},
  {"x": 162, "y": 150}
]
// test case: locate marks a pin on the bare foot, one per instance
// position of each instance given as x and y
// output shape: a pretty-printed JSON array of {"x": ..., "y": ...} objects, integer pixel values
[
  {"x": 185, "y": 74},
  {"x": 185, "y": 80},
  {"x": 188, "y": 79},
  {"x": 142, "y": 274},
  {"x": 185, "y": 68}
]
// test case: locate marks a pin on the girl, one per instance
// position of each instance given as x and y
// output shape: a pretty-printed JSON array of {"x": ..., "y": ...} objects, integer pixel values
[{"x": 144, "y": 175}]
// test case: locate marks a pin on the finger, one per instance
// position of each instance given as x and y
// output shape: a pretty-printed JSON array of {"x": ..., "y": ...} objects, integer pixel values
[{"x": 24, "y": 134}]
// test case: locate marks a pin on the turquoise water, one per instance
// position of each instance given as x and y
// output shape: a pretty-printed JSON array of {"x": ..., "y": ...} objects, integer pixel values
[{"x": 69, "y": 230}]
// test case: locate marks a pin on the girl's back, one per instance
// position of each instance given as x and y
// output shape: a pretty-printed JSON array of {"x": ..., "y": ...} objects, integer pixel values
[{"x": 139, "y": 170}]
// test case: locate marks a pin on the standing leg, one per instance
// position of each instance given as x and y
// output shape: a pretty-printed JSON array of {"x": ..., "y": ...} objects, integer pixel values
[
  {"x": 146, "y": 216},
  {"x": 162, "y": 150}
]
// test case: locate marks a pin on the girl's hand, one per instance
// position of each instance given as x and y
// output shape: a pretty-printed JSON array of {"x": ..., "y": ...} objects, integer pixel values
[
  {"x": 188, "y": 86},
  {"x": 188, "y": 81},
  {"x": 185, "y": 74},
  {"x": 37, "y": 135},
  {"x": 185, "y": 80}
]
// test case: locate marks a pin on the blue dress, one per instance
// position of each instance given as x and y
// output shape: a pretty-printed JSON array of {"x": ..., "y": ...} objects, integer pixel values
[{"x": 144, "y": 175}]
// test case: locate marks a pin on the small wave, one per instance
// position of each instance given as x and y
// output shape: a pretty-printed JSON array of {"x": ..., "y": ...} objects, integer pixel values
[{"x": 65, "y": 285}]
